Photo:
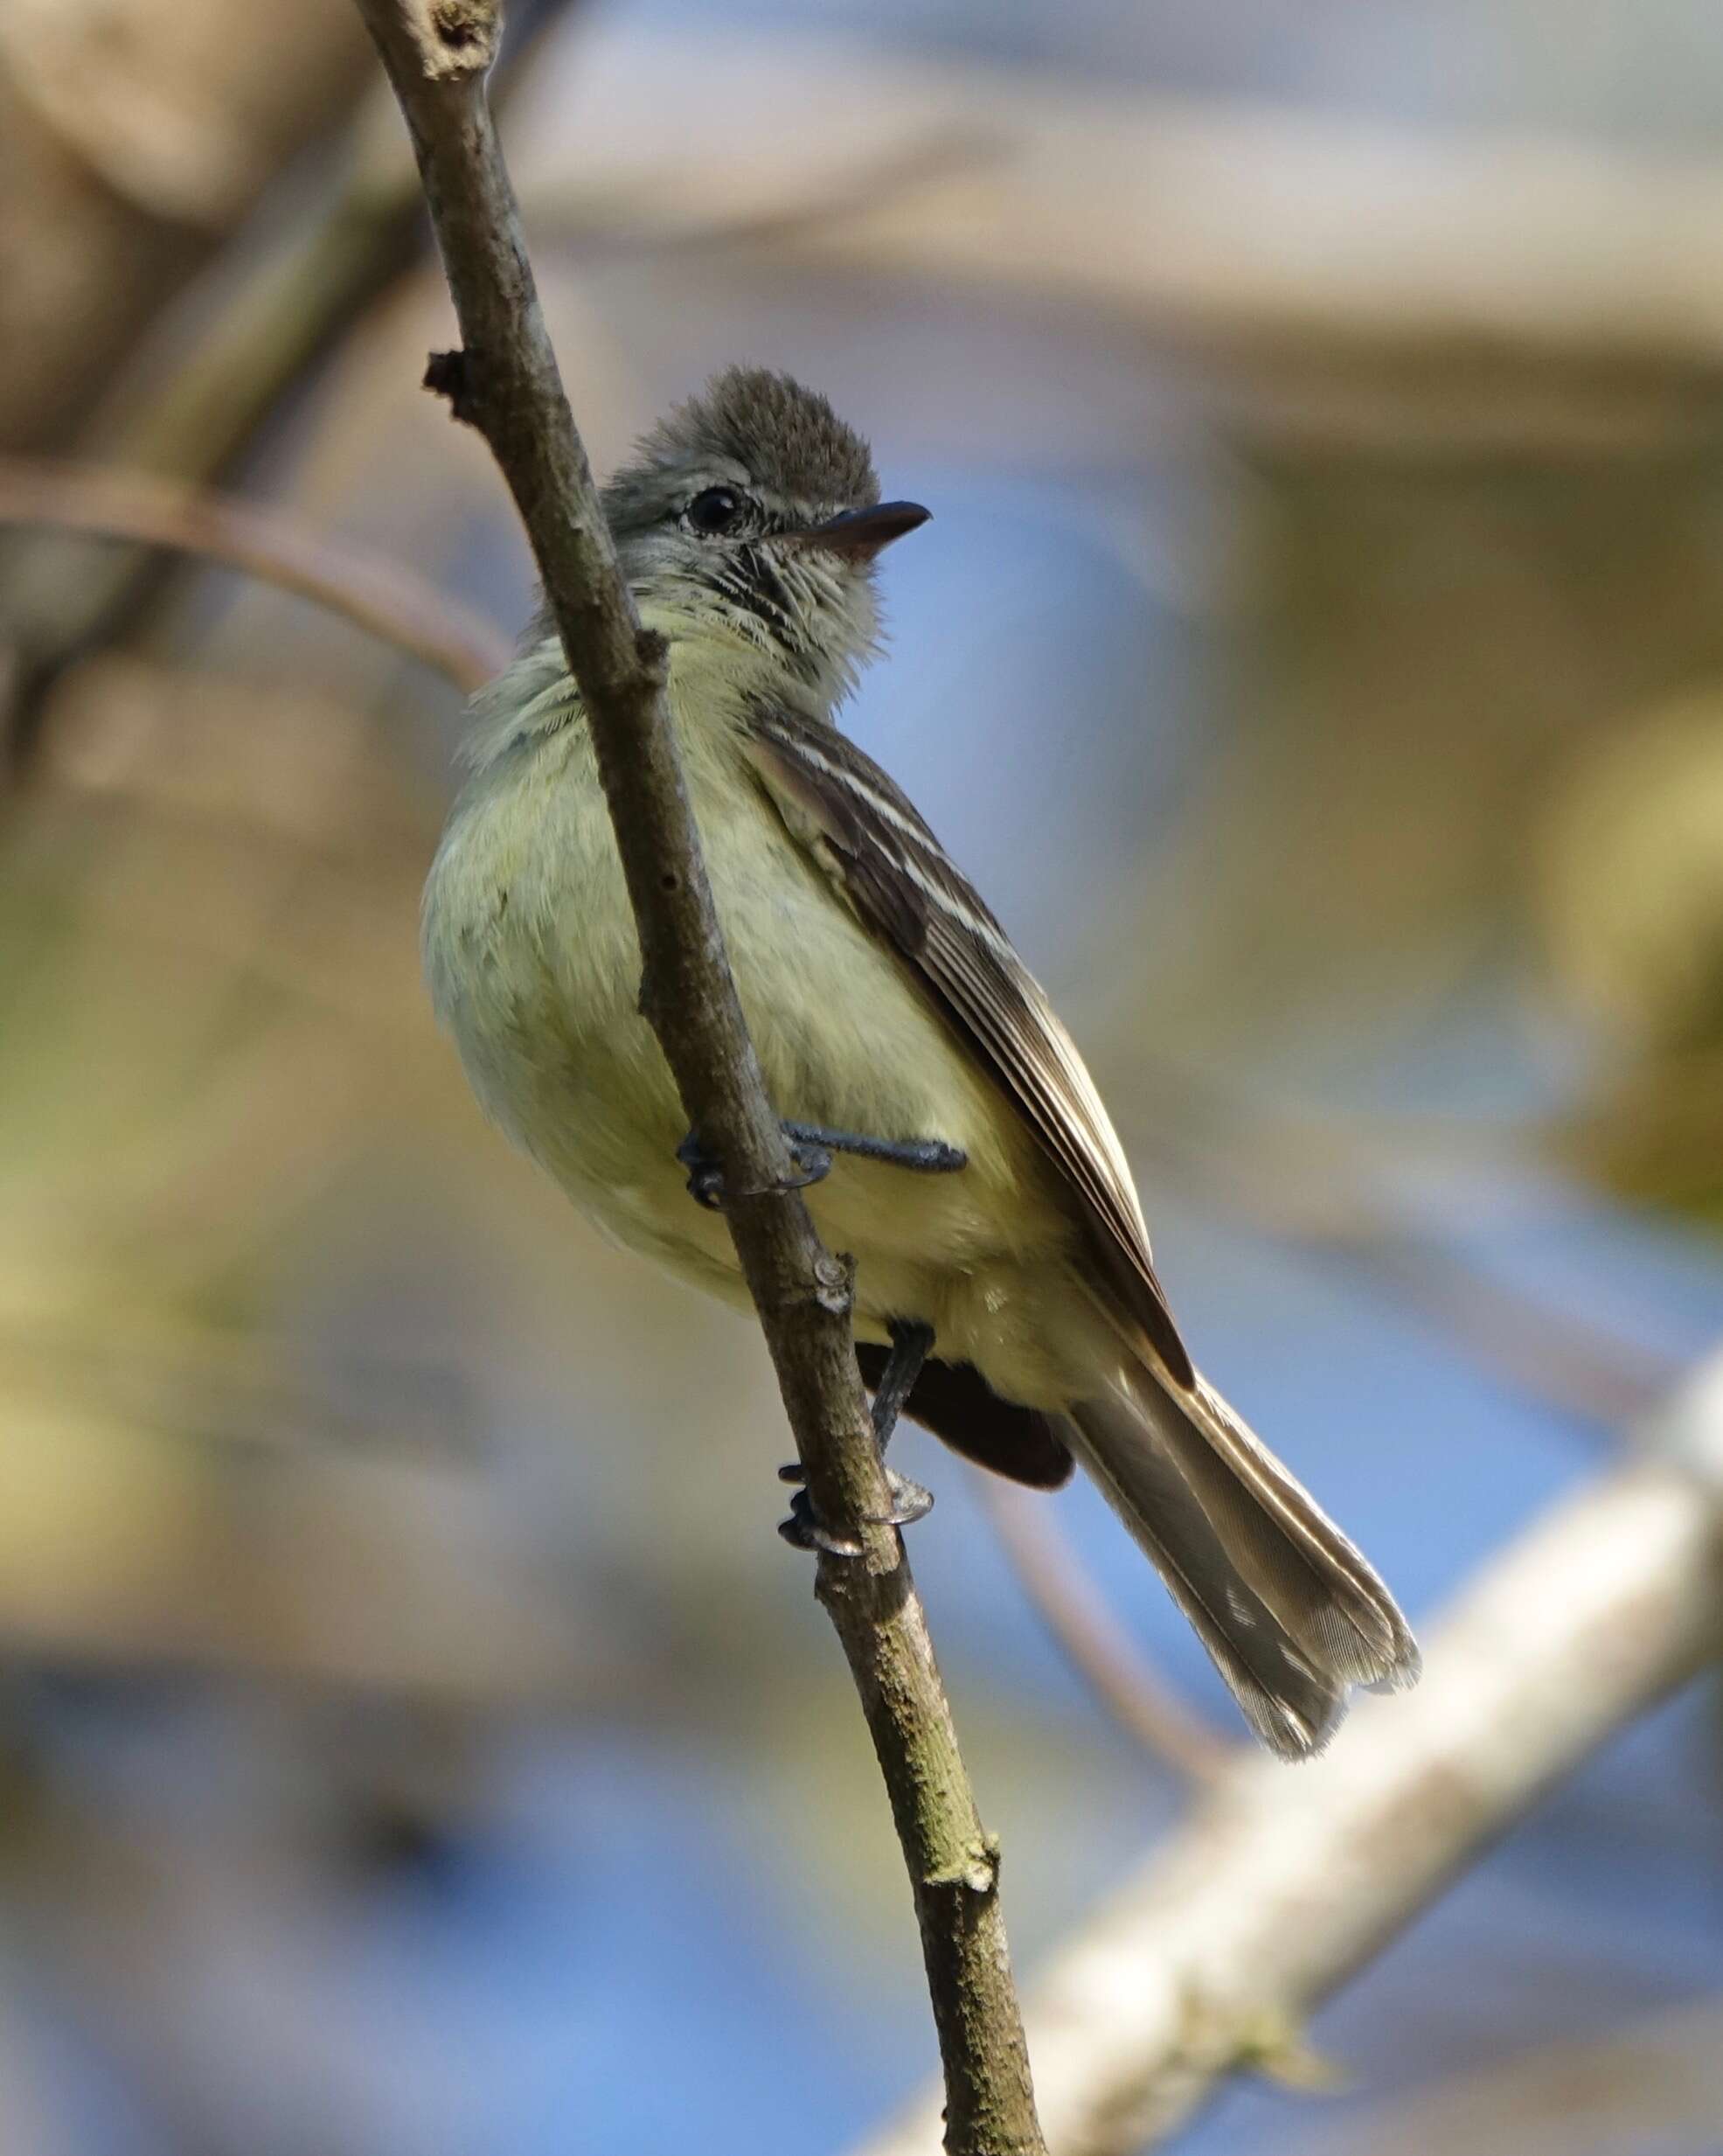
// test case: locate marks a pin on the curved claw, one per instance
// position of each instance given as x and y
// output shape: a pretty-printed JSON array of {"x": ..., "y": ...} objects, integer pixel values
[
  {"x": 813, "y": 1164},
  {"x": 707, "y": 1185},
  {"x": 804, "y": 1530},
  {"x": 910, "y": 1501}
]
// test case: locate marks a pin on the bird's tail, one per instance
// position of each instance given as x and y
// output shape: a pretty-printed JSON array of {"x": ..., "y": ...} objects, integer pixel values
[{"x": 1290, "y": 1611}]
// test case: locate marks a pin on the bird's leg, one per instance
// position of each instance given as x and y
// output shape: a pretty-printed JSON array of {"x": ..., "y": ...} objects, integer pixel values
[
  {"x": 910, "y": 1341},
  {"x": 811, "y": 1146}
]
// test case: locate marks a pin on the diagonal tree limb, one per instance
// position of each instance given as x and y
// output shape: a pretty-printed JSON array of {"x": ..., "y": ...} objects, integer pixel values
[
  {"x": 1282, "y": 1885},
  {"x": 1095, "y": 1641},
  {"x": 505, "y": 382}
]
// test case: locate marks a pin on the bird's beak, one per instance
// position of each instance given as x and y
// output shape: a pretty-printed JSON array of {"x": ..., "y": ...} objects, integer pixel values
[{"x": 861, "y": 533}]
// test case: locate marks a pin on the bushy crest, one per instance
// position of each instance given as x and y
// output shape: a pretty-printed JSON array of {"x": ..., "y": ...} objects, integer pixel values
[{"x": 787, "y": 440}]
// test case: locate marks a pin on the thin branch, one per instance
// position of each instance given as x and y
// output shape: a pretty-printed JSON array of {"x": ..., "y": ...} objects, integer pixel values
[
  {"x": 1092, "y": 1637},
  {"x": 505, "y": 383},
  {"x": 1284, "y": 1885},
  {"x": 388, "y": 602}
]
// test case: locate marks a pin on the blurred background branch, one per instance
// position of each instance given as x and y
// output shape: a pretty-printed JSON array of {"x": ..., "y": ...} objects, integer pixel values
[
  {"x": 1324, "y": 1187},
  {"x": 1517, "y": 288},
  {"x": 1210, "y": 1958},
  {"x": 227, "y": 352},
  {"x": 384, "y": 600},
  {"x": 1098, "y": 1647},
  {"x": 1653, "y": 2085}
]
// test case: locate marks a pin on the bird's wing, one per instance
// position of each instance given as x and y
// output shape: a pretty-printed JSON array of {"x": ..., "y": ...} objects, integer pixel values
[{"x": 889, "y": 867}]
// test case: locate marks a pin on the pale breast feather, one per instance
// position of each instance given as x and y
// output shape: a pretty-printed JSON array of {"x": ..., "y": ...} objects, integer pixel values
[{"x": 891, "y": 868}]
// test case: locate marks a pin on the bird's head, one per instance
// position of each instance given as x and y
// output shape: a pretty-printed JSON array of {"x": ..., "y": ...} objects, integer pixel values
[{"x": 751, "y": 513}]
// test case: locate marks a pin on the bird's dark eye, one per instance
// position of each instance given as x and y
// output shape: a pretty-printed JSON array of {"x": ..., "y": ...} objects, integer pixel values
[{"x": 717, "y": 509}]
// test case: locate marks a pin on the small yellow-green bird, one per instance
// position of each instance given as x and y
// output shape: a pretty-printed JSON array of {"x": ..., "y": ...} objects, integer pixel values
[{"x": 953, "y": 1141}]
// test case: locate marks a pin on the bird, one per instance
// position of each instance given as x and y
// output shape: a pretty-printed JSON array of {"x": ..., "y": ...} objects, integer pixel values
[{"x": 948, "y": 1132}]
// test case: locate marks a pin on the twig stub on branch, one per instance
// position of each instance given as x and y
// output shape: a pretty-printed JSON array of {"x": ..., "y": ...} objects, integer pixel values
[{"x": 445, "y": 377}]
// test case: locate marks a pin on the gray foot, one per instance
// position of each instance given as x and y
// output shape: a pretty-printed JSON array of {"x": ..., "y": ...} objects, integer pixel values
[
  {"x": 811, "y": 1164},
  {"x": 804, "y": 1530}
]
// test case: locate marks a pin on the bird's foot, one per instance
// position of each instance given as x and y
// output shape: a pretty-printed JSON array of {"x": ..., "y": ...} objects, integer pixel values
[
  {"x": 810, "y": 1163},
  {"x": 911, "y": 1339},
  {"x": 805, "y": 1530},
  {"x": 811, "y": 1146}
]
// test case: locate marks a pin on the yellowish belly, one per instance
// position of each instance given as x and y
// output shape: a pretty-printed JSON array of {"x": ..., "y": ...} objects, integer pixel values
[{"x": 534, "y": 962}]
